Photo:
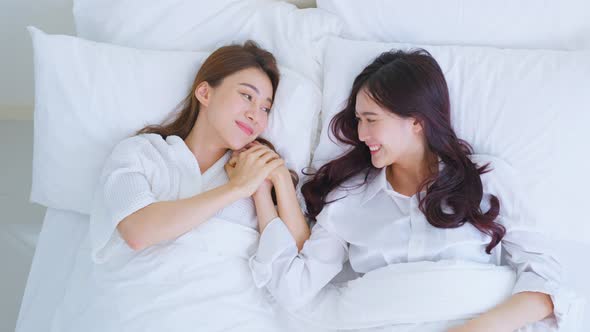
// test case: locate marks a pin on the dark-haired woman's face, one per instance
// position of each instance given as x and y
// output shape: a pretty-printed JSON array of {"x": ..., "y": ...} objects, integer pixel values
[
  {"x": 390, "y": 138},
  {"x": 239, "y": 107}
]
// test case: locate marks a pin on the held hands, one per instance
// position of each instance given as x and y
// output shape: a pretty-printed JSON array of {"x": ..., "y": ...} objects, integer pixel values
[{"x": 249, "y": 170}]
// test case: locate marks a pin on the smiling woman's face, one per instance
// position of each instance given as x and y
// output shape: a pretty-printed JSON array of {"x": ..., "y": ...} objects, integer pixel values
[
  {"x": 389, "y": 137},
  {"x": 238, "y": 108}
]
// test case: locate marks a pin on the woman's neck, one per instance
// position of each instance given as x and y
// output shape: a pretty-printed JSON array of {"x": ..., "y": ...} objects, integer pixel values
[
  {"x": 202, "y": 143},
  {"x": 407, "y": 177}
]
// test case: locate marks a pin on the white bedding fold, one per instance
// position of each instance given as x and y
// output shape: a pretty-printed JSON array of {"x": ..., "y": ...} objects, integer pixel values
[{"x": 411, "y": 293}]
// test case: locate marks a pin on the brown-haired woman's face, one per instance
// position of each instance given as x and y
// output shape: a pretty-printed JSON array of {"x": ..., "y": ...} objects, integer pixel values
[{"x": 239, "y": 107}]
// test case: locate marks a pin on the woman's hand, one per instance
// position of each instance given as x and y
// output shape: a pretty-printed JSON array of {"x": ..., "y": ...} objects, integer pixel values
[
  {"x": 519, "y": 310},
  {"x": 249, "y": 168}
]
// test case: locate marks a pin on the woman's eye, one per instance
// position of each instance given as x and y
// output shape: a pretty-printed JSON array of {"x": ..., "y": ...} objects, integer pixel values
[
  {"x": 247, "y": 96},
  {"x": 357, "y": 119},
  {"x": 265, "y": 109}
]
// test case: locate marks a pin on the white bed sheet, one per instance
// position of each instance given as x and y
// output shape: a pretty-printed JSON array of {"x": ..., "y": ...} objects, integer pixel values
[{"x": 56, "y": 249}]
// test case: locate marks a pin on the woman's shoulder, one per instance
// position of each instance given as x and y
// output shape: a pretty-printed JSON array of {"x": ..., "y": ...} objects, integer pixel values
[
  {"x": 344, "y": 201},
  {"x": 349, "y": 191},
  {"x": 145, "y": 145}
]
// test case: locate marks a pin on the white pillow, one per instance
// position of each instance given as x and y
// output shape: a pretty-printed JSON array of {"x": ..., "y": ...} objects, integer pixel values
[
  {"x": 290, "y": 33},
  {"x": 89, "y": 96},
  {"x": 530, "y": 108},
  {"x": 504, "y": 23}
]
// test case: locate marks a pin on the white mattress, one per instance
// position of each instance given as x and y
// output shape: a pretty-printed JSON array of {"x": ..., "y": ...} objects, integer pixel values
[{"x": 56, "y": 248}]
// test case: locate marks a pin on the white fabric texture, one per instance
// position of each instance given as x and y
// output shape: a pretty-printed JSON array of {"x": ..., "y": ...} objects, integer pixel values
[
  {"x": 393, "y": 230},
  {"x": 200, "y": 279},
  {"x": 502, "y": 23},
  {"x": 526, "y": 107},
  {"x": 101, "y": 94}
]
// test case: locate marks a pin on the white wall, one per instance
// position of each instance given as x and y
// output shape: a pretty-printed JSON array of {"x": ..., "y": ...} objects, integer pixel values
[{"x": 16, "y": 66}]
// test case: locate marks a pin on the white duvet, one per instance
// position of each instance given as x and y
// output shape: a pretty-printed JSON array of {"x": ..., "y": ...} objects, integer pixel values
[{"x": 201, "y": 281}]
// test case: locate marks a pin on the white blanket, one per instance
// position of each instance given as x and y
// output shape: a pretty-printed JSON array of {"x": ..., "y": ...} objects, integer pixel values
[
  {"x": 205, "y": 285},
  {"x": 421, "y": 296},
  {"x": 200, "y": 282}
]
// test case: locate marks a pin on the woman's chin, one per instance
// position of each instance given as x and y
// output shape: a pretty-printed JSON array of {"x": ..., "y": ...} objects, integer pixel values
[
  {"x": 377, "y": 163},
  {"x": 237, "y": 144}
]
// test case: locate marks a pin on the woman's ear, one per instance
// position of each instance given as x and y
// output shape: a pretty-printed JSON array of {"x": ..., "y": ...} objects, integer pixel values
[
  {"x": 417, "y": 126},
  {"x": 203, "y": 93}
]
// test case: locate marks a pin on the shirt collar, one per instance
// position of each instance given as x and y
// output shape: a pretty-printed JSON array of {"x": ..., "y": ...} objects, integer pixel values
[
  {"x": 378, "y": 182},
  {"x": 375, "y": 183}
]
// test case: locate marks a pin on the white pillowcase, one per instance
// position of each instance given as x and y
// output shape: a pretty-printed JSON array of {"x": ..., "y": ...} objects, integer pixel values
[
  {"x": 503, "y": 23},
  {"x": 292, "y": 34},
  {"x": 530, "y": 108},
  {"x": 89, "y": 96}
]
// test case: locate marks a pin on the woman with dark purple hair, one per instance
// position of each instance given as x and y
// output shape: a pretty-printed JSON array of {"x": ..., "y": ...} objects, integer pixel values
[{"x": 407, "y": 190}]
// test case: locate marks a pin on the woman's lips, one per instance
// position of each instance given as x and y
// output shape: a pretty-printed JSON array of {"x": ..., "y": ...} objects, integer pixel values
[{"x": 245, "y": 128}]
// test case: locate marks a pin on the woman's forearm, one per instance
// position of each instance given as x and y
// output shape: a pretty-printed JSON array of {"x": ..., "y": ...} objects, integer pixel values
[
  {"x": 167, "y": 220},
  {"x": 265, "y": 209},
  {"x": 518, "y": 311},
  {"x": 290, "y": 210}
]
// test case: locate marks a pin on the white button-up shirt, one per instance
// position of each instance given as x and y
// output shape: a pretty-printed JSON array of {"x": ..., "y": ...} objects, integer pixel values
[{"x": 374, "y": 226}]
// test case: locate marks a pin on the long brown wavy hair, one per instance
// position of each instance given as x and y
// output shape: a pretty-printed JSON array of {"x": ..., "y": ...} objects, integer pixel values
[
  {"x": 224, "y": 62},
  {"x": 411, "y": 84}
]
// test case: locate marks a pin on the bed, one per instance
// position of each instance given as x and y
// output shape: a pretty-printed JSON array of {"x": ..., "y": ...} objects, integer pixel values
[{"x": 109, "y": 36}]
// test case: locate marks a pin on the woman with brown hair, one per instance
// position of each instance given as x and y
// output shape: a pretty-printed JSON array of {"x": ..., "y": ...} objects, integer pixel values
[{"x": 174, "y": 223}]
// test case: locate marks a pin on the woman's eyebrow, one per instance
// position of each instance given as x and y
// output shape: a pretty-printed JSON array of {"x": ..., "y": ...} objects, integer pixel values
[
  {"x": 255, "y": 89},
  {"x": 365, "y": 113}
]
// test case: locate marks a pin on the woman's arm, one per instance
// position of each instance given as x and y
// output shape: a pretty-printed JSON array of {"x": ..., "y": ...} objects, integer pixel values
[
  {"x": 161, "y": 221},
  {"x": 519, "y": 310},
  {"x": 289, "y": 209},
  {"x": 265, "y": 208},
  {"x": 295, "y": 277},
  {"x": 288, "y": 205},
  {"x": 538, "y": 280}
]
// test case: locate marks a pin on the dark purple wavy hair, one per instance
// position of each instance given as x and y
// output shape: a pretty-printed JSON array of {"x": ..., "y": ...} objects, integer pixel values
[{"x": 411, "y": 84}]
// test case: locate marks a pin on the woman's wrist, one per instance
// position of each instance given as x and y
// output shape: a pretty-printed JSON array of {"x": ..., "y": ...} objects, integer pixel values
[
  {"x": 263, "y": 193},
  {"x": 282, "y": 178},
  {"x": 265, "y": 208},
  {"x": 235, "y": 191}
]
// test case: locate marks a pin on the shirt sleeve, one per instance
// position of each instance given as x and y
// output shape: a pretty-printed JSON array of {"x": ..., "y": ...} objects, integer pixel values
[
  {"x": 292, "y": 277},
  {"x": 123, "y": 189},
  {"x": 537, "y": 269},
  {"x": 525, "y": 248}
]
